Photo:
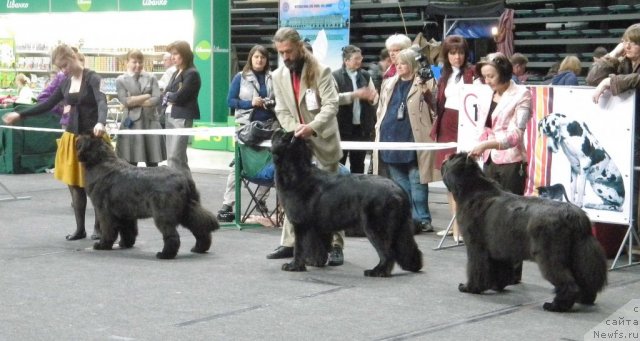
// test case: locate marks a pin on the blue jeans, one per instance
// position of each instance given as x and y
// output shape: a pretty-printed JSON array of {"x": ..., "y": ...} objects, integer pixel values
[{"x": 407, "y": 176}]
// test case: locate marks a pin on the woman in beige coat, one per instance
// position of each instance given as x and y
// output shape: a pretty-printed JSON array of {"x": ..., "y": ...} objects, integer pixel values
[{"x": 405, "y": 115}]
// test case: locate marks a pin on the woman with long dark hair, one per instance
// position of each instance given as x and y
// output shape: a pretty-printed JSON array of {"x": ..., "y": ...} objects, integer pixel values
[
  {"x": 180, "y": 103},
  {"x": 455, "y": 72},
  {"x": 249, "y": 93}
]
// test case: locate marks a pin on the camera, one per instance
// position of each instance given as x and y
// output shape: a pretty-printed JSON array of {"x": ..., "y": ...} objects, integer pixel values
[
  {"x": 269, "y": 103},
  {"x": 424, "y": 72}
]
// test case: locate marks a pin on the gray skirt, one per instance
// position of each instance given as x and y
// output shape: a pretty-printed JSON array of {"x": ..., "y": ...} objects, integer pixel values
[{"x": 142, "y": 148}]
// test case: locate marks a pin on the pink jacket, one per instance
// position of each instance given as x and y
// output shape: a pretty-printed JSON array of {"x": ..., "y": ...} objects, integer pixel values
[{"x": 508, "y": 122}]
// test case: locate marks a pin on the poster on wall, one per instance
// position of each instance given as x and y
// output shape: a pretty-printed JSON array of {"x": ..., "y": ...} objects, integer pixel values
[
  {"x": 7, "y": 53},
  {"x": 7, "y": 62},
  {"x": 572, "y": 143},
  {"x": 324, "y": 23}
]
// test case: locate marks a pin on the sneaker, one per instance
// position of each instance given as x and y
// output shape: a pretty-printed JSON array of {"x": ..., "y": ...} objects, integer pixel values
[
  {"x": 225, "y": 214},
  {"x": 426, "y": 226},
  {"x": 442, "y": 233},
  {"x": 336, "y": 257}
]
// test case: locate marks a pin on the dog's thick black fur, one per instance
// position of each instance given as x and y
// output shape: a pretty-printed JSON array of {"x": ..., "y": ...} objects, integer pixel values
[
  {"x": 501, "y": 228},
  {"x": 318, "y": 203},
  {"x": 122, "y": 194}
]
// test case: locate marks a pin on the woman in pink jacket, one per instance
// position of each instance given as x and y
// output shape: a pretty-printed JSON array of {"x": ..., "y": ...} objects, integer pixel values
[{"x": 503, "y": 119}]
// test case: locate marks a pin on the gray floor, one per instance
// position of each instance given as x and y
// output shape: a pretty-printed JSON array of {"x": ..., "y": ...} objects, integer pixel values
[{"x": 52, "y": 289}]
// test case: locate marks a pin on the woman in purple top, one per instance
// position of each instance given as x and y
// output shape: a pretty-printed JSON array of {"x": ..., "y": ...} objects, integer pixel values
[{"x": 48, "y": 91}]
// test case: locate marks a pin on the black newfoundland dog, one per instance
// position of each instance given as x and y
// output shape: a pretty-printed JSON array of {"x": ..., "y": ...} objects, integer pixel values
[
  {"x": 501, "y": 228},
  {"x": 122, "y": 194},
  {"x": 319, "y": 203}
]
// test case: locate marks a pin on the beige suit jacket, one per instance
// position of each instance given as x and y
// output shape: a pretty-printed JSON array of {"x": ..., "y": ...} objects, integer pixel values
[{"x": 326, "y": 140}]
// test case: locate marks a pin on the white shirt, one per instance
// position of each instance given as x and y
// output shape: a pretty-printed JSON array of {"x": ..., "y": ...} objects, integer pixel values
[
  {"x": 166, "y": 77},
  {"x": 452, "y": 91},
  {"x": 356, "y": 102},
  {"x": 25, "y": 96}
]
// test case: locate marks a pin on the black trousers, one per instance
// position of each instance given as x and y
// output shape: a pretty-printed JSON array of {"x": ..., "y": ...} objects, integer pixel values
[
  {"x": 511, "y": 177},
  {"x": 356, "y": 157}
]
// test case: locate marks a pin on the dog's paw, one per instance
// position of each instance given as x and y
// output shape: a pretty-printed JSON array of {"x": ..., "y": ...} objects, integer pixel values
[
  {"x": 376, "y": 273},
  {"x": 469, "y": 289},
  {"x": 293, "y": 267},
  {"x": 197, "y": 249},
  {"x": 549, "y": 306},
  {"x": 497, "y": 288},
  {"x": 316, "y": 263},
  {"x": 125, "y": 245},
  {"x": 554, "y": 307},
  {"x": 587, "y": 299},
  {"x": 161, "y": 255},
  {"x": 101, "y": 246}
]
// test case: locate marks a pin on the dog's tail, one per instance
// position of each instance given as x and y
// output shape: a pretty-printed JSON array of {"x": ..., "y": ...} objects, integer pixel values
[
  {"x": 405, "y": 248},
  {"x": 197, "y": 217},
  {"x": 589, "y": 265},
  {"x": 198, "y": 220}
]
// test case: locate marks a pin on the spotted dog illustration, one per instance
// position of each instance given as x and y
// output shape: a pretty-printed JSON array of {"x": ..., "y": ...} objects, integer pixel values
[{"x": 588, "y": 159}]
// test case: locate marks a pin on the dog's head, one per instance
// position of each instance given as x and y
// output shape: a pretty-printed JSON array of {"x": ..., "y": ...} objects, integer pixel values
[
  {"x": 551, "y": 126},
  {"x": 458, "y": 170},
  {"x": 285, "y": 146},
  {"x": 93, "y": 150}
]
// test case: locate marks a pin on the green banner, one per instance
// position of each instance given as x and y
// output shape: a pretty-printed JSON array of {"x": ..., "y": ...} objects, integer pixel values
[
  {"x": 210, "y": 96},
  {"x": 220, "y": 43},
  {"x": 84, "y": 5},
  {"x": 24, "y": 6},
  {"x": 154, "y": 5}
]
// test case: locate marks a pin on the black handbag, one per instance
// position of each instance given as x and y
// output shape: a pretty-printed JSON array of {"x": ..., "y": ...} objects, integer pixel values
[{"x": 256, "y": 132}]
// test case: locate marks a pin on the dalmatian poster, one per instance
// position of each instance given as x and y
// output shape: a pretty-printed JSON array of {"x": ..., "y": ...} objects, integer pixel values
[{"x": 580, "y": 148}]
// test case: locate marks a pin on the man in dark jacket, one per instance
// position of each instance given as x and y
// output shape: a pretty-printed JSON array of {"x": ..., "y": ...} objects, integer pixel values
[{"x": 357, "y": 100}]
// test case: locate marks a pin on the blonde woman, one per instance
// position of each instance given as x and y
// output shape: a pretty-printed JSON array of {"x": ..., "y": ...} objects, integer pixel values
[
  {"x": 87, "y": 108},
  {"x": 25, "y": 94},
  {"x": 568, "y": 71},
  {"x": 404, "y": 115}
]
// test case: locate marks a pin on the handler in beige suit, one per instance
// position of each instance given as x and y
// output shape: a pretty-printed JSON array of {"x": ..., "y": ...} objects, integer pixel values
[{"x": 307, "y": 103}]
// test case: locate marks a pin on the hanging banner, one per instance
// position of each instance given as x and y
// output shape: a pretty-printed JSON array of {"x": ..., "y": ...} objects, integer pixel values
[
  {"x": 325, "y": 23},
  {"x": 585, "y": 148}
]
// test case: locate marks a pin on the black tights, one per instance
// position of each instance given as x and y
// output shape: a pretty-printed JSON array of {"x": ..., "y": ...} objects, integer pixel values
[{"x": 79, "y": 201}]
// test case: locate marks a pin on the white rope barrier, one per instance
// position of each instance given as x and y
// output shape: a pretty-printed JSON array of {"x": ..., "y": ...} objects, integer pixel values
[
  {"x": 356, "y": 145},
  {"x": 231, "y": 132},
  {"x": 200, "y": 131},
  {"x": 49, "y": 130}
]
